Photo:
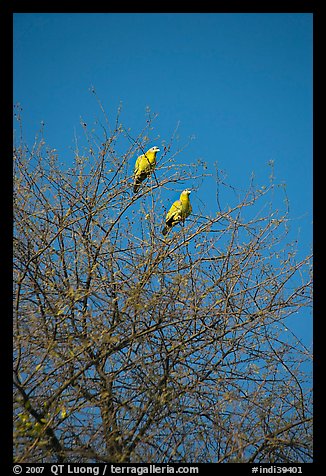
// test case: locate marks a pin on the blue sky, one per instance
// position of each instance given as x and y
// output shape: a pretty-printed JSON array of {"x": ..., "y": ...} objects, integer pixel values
[{"x": 240, "y": 83}]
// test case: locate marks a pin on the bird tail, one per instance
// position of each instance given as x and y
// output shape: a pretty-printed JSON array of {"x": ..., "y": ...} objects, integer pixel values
[
  {"x": 136, "y": 187},
  {"x": 165, "y": 230}
]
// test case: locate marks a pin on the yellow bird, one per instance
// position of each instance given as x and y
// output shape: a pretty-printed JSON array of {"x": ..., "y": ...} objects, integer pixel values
[
  {"x": 144, "y": 165},
  {"x": 179, "y": 211}
]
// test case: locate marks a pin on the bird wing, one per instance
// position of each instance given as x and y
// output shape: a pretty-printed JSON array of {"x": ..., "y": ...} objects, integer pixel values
[
  {"x": 175, "y": 212},
  {"x": 144, "y": 165},
  {"x": 138, "y": 164}
]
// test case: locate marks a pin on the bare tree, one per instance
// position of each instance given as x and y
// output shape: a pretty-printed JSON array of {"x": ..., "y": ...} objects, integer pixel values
[{"x": 134, "y": 347}]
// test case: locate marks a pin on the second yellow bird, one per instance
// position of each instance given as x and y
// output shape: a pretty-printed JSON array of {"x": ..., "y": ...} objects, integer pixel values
[
  {"x": 144, "y": 166},
  {"x": 179, "y": 211}
]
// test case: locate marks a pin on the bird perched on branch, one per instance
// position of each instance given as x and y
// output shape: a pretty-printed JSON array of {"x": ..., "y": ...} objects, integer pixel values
[
  {"x": 144, "y": 165},
  {"x": 179, "y": 211}
]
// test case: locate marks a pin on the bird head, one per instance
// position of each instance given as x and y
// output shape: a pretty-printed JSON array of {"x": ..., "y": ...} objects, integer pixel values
[
  {"x": 186, "y": 192},
  {"x": 154, "y": 149}
]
